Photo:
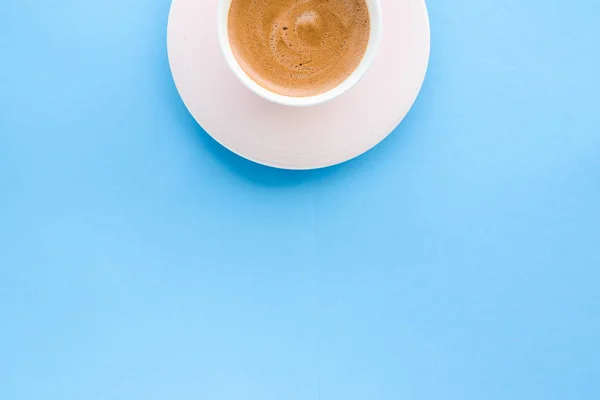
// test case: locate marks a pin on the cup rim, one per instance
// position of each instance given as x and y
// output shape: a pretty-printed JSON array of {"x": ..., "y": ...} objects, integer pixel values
[{"x": 376, "y": 19}]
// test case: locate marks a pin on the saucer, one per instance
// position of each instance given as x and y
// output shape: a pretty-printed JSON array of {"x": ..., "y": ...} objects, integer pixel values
[{"x": 294, "y": 137}]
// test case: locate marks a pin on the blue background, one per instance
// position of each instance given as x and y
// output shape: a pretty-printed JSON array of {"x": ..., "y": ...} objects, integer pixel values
[{"x": 460, "y": 259}]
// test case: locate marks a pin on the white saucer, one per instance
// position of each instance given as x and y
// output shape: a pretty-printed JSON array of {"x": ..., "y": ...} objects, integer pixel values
[{"x": 289, "y": 137}]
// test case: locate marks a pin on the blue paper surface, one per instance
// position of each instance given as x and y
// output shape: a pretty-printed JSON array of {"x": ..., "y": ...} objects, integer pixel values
[{"x": 458, "y": 260}]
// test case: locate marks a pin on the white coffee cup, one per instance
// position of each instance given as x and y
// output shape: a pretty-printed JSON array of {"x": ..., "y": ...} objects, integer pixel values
[{"x": 375, "y": 16}]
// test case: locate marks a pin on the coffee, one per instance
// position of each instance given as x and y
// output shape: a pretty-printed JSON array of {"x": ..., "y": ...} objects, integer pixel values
[{"x": 299, "y": 48}]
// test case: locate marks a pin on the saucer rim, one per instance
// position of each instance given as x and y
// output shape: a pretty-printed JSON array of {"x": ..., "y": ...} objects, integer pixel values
[{"x": 315, "y": 164}]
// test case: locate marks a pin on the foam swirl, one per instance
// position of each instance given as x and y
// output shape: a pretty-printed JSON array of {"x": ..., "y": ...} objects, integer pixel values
[{"x": 299, "y": 47}]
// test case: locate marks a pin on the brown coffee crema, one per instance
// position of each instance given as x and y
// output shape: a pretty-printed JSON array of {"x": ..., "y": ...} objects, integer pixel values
[{"x": 299, "y": 48}]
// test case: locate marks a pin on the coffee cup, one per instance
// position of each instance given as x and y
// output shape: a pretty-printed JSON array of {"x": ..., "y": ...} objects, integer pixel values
[{"x": 357, "y": 60}]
